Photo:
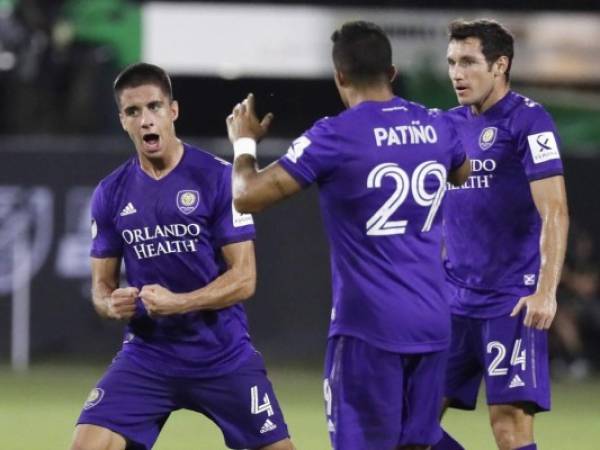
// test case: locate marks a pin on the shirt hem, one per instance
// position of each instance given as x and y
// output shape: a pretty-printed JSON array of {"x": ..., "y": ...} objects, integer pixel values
[{"x": 427, "y": 347}]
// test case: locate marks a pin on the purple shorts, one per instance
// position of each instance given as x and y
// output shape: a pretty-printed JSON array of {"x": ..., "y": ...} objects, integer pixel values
[
  {"x": 136, "y": 403},
  {"x": 375, "y": 399},
  {"x": 511, "y": 357}
]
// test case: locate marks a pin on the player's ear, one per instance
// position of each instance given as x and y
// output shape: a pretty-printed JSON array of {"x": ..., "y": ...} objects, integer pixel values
[
  {"x": 122, "y": 120},
  {"x": 340, "y": 78},
  {"x": 174, "y": 110},
  {"x": 392, "y": 73},
  {"x": 500, "y": 66}
]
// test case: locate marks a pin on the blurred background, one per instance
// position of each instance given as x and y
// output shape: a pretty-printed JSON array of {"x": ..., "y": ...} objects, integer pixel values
[{"x": 59, "y": 135}]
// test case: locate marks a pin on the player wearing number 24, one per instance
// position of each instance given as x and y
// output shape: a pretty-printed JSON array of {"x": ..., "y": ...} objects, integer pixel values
[{"x": 381, "y": 167}]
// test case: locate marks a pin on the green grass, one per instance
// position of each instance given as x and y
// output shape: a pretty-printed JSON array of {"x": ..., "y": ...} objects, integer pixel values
[{"x": 38, "y": 410}]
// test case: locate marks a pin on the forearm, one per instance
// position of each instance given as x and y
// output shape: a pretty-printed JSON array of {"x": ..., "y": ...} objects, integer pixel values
[
  {"x": 233, "y": 286},
  {"x": 553, "y": 244},
  {"x": 101, "y": 292}
]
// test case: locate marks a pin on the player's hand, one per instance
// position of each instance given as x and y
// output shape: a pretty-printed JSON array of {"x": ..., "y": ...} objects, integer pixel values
[
  {"x": 541, "y": 309},
  {"x": 243, "y": 122},
  {"x": 160, "y": 301},
  {"x": 121, "y": 304}
]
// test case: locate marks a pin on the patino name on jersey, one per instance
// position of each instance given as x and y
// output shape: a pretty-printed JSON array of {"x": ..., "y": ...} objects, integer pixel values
[{"x": 414, "y": 133}]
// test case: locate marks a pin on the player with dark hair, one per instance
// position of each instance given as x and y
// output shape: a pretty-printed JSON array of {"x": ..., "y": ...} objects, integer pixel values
[
  {"x": 168, "y": 214},
  {"x": 505, "y": 236},
  {"x": 381, "y": 167}
]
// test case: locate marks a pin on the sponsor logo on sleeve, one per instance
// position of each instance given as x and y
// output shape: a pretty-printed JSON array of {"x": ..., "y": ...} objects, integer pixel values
[
  {"x": 529, "y": 279},
  {"x": 297, "y": 148},
  {"x": 487, "y": 137},
  {"x": 239, "y": 219},
  {"x": 187, "y": 201},
  {"x": 543, "y": 147}
]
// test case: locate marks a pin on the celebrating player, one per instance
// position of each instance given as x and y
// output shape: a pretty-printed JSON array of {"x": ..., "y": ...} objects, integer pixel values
[
  {"x": 505, "y": 232},
  {"x": 381, "y": 167},
  {"x": 167, "y": 212}
]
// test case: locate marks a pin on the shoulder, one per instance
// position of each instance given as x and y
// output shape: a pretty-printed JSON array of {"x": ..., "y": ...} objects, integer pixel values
[
  {"x": 201, "y": 158},
  {"x": 526, "y": 111},
  {"x": 456, "y": 115}
]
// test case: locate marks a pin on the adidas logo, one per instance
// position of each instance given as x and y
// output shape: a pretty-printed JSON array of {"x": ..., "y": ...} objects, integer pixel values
[
  {"x": 267, "y": 426},
  {"x": 129, "y": 209},
  {"x": 516, "y": 382}
]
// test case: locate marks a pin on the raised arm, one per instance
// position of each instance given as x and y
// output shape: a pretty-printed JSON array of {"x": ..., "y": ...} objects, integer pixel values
[
  {"x": 109, "y": 300},
  {"x": 253, "y": 189},
  {"x": 235, "y": 285},
  {"x": 550, "y": 199}
]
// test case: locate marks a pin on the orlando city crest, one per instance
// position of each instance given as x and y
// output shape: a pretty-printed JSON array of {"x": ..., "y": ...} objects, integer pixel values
[
  {"x": 187, "y": 201},
  {"x": 487, "y": 137},
  {"x": 94, "y": 398}
]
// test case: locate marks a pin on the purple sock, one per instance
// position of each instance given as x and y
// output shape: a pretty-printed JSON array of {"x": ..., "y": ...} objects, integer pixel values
[
  {"x": 528, "y": 447},
  {"x": 448, "y": 443}
]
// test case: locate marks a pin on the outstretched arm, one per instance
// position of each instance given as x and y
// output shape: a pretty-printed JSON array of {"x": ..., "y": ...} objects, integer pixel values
[
  {"x": 550, "y": 200},
  {"x": 235, "y": 285},
  {"x": 254, "y": 190}
]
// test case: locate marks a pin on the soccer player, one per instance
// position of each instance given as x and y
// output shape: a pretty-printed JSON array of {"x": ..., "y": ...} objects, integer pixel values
[
  {"x": 168, "y": 214},
  {"x": 505, "y": 236},
  {"x": 381, "y": 167}
]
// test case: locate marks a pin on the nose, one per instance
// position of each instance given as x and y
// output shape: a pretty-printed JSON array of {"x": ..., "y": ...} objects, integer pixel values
[
  {"x": 455, "y": 73},
  {"x": 146, "y": 119}
]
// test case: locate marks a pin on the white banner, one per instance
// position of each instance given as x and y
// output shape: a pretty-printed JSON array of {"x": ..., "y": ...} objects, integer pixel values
[{"x": 234, "y": 40}]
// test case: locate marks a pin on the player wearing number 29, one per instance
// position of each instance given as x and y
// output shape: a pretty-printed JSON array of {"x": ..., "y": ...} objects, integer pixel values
[
  {"x": 168, "y": 213},
  {"x": 505, "y": 232},
  {"x": 381, "y": 167}
]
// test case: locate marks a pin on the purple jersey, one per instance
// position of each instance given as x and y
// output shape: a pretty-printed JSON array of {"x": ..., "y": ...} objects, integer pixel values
[
  {"x": 381, "y": 169},
  {"x": 170, "y": 232},
  {"x": 492, "y": 227}
]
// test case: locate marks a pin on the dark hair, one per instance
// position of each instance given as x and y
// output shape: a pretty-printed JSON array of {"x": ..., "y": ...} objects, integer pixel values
[
  {"x": 142, "y": 73},
  {"x": 496, "y": 40},
  {"x": 362, "y": 51}
]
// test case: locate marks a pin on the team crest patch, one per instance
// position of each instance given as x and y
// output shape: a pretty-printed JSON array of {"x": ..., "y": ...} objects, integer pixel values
[
  {"x": 187, "y": 201},
  {"x": 94, "y": 398},
  {"x": 487, "y": 137}
]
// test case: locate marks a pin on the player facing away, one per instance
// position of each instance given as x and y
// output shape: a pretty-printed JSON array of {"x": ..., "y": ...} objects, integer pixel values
[
  {"x": 381, "y": 167},
  {"x": 189, "y": 256},
  {"x": 505, "y": 235}
]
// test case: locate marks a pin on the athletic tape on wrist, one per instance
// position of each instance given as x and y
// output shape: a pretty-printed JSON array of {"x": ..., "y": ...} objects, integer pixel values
[{"x": 244, "y": 146}]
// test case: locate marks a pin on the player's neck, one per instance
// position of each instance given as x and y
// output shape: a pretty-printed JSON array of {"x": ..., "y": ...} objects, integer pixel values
[
  {"x": 355, "y": 96},
  {"x": 495, "y": 95},
  {"x": 160, "y": 167}
]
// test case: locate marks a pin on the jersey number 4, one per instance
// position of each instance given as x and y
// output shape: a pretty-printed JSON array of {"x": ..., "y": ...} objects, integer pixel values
[
  {"x": 380, "y": 224},
  {"x": 258, "y": 408}
]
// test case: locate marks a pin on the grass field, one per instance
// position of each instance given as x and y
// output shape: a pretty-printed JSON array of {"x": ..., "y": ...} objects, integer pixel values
[{"x": 38, "y": 409}]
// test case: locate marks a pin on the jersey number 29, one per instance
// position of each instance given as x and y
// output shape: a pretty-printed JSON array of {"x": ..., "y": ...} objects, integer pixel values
[{"x": 380, "y": 224}]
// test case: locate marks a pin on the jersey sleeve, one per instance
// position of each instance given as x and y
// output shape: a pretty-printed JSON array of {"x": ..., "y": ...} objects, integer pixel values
[
  {"x": 229, "y": 226},
  {"x": 538, "y": 144},
  {"x": 314, "y": 155},
  {"x": 106, "y": 241}
]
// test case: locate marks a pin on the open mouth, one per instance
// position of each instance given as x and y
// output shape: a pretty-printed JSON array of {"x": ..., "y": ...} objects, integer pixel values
[{"x": 151, "y": 140}]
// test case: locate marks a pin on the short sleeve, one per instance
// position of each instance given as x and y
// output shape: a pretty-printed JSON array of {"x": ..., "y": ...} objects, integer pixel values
[
  {"x": 228, "y": 225},
  {"x": 314, "y": 155},
  {"x": 538, "y": 144},
  {"x": 106, "y": 241}
]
